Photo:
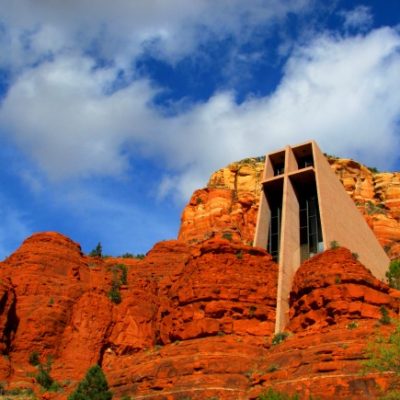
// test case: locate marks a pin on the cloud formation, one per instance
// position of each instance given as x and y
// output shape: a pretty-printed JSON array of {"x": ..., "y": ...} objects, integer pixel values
[
  {"x": 359, "y": 17},
  {"x": 341, "y": 91},
  {"x": 76, "y": 117},
  {"x": 63, "y": 116},
  {"x": 120, "y": 30}
]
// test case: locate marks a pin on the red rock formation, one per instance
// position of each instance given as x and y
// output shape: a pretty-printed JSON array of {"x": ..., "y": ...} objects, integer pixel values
[
  {"x": 333, "y": 288},
  {"x": 194, "y": 321},
  {"x": 47, "y": 275},
  {"x": 229, "y": 203},
  {"x": 335, "y": 308},
  {"x": 213, "y": 315},
  {"x": 225, "y": 288}
]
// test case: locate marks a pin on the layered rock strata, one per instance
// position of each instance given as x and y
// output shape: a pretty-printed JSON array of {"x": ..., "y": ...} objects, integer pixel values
[
  {"x": 229, "y": 203},
  {"x": 194, "y": 321}
]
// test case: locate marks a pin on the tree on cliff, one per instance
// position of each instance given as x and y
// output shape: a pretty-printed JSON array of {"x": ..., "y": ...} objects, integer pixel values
[
  {"x": 93, "y": 386},
  {"x": 97, "y": 251}
]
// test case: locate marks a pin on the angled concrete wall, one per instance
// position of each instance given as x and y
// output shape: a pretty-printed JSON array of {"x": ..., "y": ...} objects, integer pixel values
[
  {"x": 340, "y": 219},
  {"x": 289, "y": 258}
]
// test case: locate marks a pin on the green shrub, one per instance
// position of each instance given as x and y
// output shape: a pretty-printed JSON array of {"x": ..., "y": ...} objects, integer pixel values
[
  {"x": 54, "y": 387},
  {"x": 372, "y": 208},
  {"x": 239, "y": 255},
  {"x": 279, "y": 338},
  {"x": 93, "y": 386},
  {"x": 34, "y": 358},
  {"x": 120, "y": 277},
  {"x": 272, "y": 368},
  {"x": 385, "y": 319},
  {"x": 227, "y": 236},
  {"x": 252, "y": 310},
  {"x": 374, "y": 170},
  {"x": 393, "y": 274},
  {"x": 123, "y": 279},
  {"x": 127, "y": 255},
  {"x": 334, "y": 245},
  {"x": 43, "y": 377},
  {"x": 131, "y": 255},
  {"x": 352, "y": 325},
  {"x": 114, "y": 294},
  {"x": 271, "y": 394},
  {"x": 355, "y": 256},
  {"x": 26, "y": 392},
  {"x": 383, "y": 353},
  {"x": 392, "y": 395}
]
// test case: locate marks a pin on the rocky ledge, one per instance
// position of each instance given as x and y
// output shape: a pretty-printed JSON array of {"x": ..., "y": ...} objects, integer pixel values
[
  {"x": 190, "y": 321},
  {"x": 229, "y": 203}
]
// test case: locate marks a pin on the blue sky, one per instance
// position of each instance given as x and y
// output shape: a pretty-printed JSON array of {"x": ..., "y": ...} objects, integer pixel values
[{"x": 112, "y": 113}]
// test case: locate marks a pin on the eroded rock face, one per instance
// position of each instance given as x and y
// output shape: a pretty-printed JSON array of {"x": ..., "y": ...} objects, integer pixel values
[
  {"x": 225, "y": 288},
  {"x": 213, "y": 317},
  {"x": 229, "y": 203},
  {"x": 47, "y": 275},
  {"x": 334, "y": 288},
  {"x": 194, "y": 321},
  {"x": 335, "y": 309}
]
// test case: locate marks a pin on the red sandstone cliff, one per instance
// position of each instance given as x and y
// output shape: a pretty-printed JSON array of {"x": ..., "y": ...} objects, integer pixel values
[
  {"x": 229, "y": 203},
  {"x": 195, "y": 321},
  {"x": 196, "y": 317}
]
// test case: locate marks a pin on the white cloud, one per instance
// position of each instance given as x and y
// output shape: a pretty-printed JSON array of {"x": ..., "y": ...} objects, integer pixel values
[
  {"x": 122, "y": 29},
  {"x": 342, "y": 91},
  {"x": 62, "y": 115},
  {"x": 359, "y": 17},
  {"x": 59, "y": 109}
]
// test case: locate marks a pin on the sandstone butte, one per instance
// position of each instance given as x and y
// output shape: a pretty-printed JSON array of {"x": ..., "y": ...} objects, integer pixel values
[
  {"x": 196, "y": 320},
  {"x": 229, "y": 203}
]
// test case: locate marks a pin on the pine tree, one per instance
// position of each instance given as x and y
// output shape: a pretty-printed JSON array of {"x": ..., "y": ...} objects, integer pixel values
[
  {"x": 97, "y": 251},
  {"x": 93, "y": 386}
]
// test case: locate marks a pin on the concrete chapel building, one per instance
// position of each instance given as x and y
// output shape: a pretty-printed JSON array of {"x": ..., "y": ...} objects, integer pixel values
[{"x": 304, "y": 208}]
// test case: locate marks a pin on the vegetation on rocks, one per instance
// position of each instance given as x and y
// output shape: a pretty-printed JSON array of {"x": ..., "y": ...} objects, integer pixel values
[
  {"x": 97, "y": 251},
  {"x": 34, "y": 358},
  {"x": 131, "y": 255},
  {"x": 272, "y": 394},
  {"x": 279, "y": 337},
  {"x": 43, "y": 377},
  {"x": 383, "y": 355},
  {"x": 120, "y": 277},
  {"x": 94, "y": 386},
  {"x": 384, "y": 352},
  {"x": 393, "y": 274}
]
